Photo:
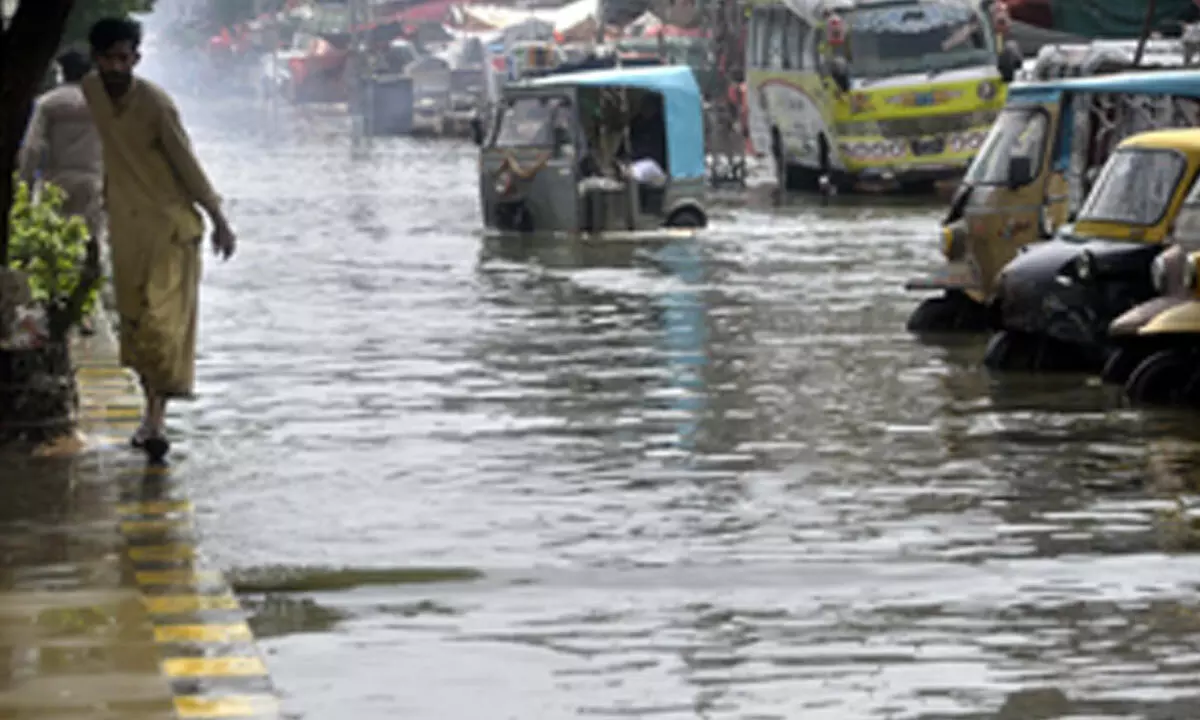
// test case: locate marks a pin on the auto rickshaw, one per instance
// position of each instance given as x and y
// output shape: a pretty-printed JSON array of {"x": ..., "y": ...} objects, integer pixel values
[
  {"x": 1157, "y": 356},
  {"x": 1031, "y": 172},
  {"x": 597, "y": 151},
  {"x": 1055, "y": 301}
]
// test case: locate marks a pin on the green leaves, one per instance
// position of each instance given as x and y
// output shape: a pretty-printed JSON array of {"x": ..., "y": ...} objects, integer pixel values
[{"x": 50, "y": 249}]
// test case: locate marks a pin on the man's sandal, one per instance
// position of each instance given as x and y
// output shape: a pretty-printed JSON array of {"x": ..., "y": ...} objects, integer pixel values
[{"x": 156, "y": 448}]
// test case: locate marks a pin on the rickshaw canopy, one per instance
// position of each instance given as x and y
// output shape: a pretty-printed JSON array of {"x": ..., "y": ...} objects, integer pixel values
[
  {"x": 683, "y": 109},
  {"x": 1144, "y": 82},
  {"x": 1184, "y": 140}
]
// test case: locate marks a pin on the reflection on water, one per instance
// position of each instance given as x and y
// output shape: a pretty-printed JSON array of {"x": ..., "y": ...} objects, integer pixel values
[{"x": 695, "y": 479}]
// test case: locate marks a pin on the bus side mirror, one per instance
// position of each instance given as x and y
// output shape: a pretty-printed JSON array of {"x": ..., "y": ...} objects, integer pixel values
[
  {"x": 1020, "y": 172},
  {"x": 840, "y": 72},
  {"x": 477, "y": 130},
  {"x": 1009, "y": 62}
]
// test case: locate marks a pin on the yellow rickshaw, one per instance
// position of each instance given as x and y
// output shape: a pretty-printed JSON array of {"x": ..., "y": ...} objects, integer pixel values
[
  {"x": 1157, "y": 356},
  {"x": 1033, "y": 170},
  {"x": 1055, "y": 302},
  {"x": 1014, "y": 193}
]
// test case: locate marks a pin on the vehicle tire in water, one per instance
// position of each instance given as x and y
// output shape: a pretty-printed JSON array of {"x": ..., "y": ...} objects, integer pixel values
[
  {"x": 686, "y": 218},
  {"x": 951, "y": 312},
  {"x": 1162, "y": 379},
  {"x": 1008, "y": 350},
  {"x": 1120, "y": 365}
]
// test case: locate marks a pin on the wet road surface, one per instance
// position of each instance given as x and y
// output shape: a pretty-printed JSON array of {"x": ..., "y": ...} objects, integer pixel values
[{"x": 460, "y": 478}]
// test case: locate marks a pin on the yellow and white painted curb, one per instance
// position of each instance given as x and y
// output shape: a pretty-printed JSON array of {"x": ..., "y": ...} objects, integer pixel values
[{"x": 207, "y": 652}]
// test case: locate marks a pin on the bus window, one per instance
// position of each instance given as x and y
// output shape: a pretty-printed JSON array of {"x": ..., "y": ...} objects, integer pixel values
[
  {"x": 797, "y": 34},
  {"x": 761, "y": 31},
  {"x": 775, "y": 39},
  {"x": 785, "y": 41}
]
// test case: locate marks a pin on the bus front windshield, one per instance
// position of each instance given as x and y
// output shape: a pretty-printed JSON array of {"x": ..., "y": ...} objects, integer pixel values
[{"x": 925, "y": 36}]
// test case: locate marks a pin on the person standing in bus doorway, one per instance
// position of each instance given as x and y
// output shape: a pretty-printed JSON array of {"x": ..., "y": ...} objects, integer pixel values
[
  {"x": 154, "y": 185},
  {"x": 62, "y": 147}
]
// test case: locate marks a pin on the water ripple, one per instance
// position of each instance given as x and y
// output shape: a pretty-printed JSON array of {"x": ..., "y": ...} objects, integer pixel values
[{"x": 707, "y": 479}]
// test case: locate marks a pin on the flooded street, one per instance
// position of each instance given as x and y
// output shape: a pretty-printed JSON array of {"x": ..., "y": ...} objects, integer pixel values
[{"x": 460, "y": 478}]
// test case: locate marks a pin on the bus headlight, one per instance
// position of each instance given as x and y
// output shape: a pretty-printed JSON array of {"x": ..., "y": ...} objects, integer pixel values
[{"x": 986, "y": 90}]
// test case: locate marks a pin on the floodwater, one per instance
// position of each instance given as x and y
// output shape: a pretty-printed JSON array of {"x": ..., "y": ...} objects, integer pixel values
[{"x": 460, "y": 478}]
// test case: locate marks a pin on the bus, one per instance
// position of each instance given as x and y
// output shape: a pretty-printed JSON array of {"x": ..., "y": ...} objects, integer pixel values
[{"x": 897, "y": 94}]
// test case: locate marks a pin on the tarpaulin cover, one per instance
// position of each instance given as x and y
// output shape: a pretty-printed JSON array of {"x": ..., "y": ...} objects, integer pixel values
[{"x": 1123, "y": 19}]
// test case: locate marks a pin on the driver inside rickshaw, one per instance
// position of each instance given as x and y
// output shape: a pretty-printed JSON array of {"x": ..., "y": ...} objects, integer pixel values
[{"x": 648, "y": 142}]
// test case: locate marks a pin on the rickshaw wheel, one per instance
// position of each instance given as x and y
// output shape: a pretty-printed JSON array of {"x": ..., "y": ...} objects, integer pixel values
[
  {"x": 1162, "y": 379},
  {"x": 1011, "y": 351},
  {"x": 685, "y": 218},
  {"x": 1120, "y": 365},
  {"x": 952, "y": 311}
]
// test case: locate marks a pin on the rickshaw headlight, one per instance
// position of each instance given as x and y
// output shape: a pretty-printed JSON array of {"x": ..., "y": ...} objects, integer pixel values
[
  {"x": 1158, "y": 274},
  {"x": 1085, "y": 266},
  {"x": 1190, "y": 274},
  {"x": 504, "y": 182},
  {"x": 952, "y": 241}
]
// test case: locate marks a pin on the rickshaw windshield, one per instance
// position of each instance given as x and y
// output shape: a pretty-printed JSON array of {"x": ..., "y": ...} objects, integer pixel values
[
  {"x": 530, "y": 121},
  {"x": 1135, "y": 187},
  {"x": 917, "y": 36},
  {"x": 1018, "y": 132}
]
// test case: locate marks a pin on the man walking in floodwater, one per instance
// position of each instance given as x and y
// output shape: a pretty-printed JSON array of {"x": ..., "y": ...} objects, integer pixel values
[
  {"x": 153, "y": 185},
  {"x": 62, "y": 147}
]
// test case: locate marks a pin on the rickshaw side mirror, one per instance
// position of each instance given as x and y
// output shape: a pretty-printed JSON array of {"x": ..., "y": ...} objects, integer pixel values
[
  {"x": 1020, "y": 172},
  {"x": 561, "y": 139},
  {"x": 477, "y": 130}
]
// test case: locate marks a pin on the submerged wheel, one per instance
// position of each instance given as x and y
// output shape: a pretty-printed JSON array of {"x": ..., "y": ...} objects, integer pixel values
[
  {"x": 952, "y": 312},
  {"x": 1165, "y": 378},
  {"x": 686, "y": 218},
  {"x": 1008, "y": 350},
  {"x": 1120, "y": 365}
]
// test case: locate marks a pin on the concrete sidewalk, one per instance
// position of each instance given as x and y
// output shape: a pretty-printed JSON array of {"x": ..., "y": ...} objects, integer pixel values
[{"x": 106, "y": 608}]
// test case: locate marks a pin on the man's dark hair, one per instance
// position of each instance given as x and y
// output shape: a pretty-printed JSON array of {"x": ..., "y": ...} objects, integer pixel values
[
  {"x": 110, "y": 31},
  {"x": 74, "y": 64}
]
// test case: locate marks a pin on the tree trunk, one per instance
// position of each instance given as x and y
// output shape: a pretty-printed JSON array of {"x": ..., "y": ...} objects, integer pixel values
[
  {"x": 27, "y": 45},
  {"x": 38, "y": 398}
]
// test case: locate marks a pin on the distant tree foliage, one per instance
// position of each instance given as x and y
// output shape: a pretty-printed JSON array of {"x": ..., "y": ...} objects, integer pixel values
[{"x": 87, "y": 12}]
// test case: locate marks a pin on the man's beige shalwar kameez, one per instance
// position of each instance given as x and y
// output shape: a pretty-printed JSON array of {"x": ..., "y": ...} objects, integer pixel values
[{"x": 153, "y": 184}]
